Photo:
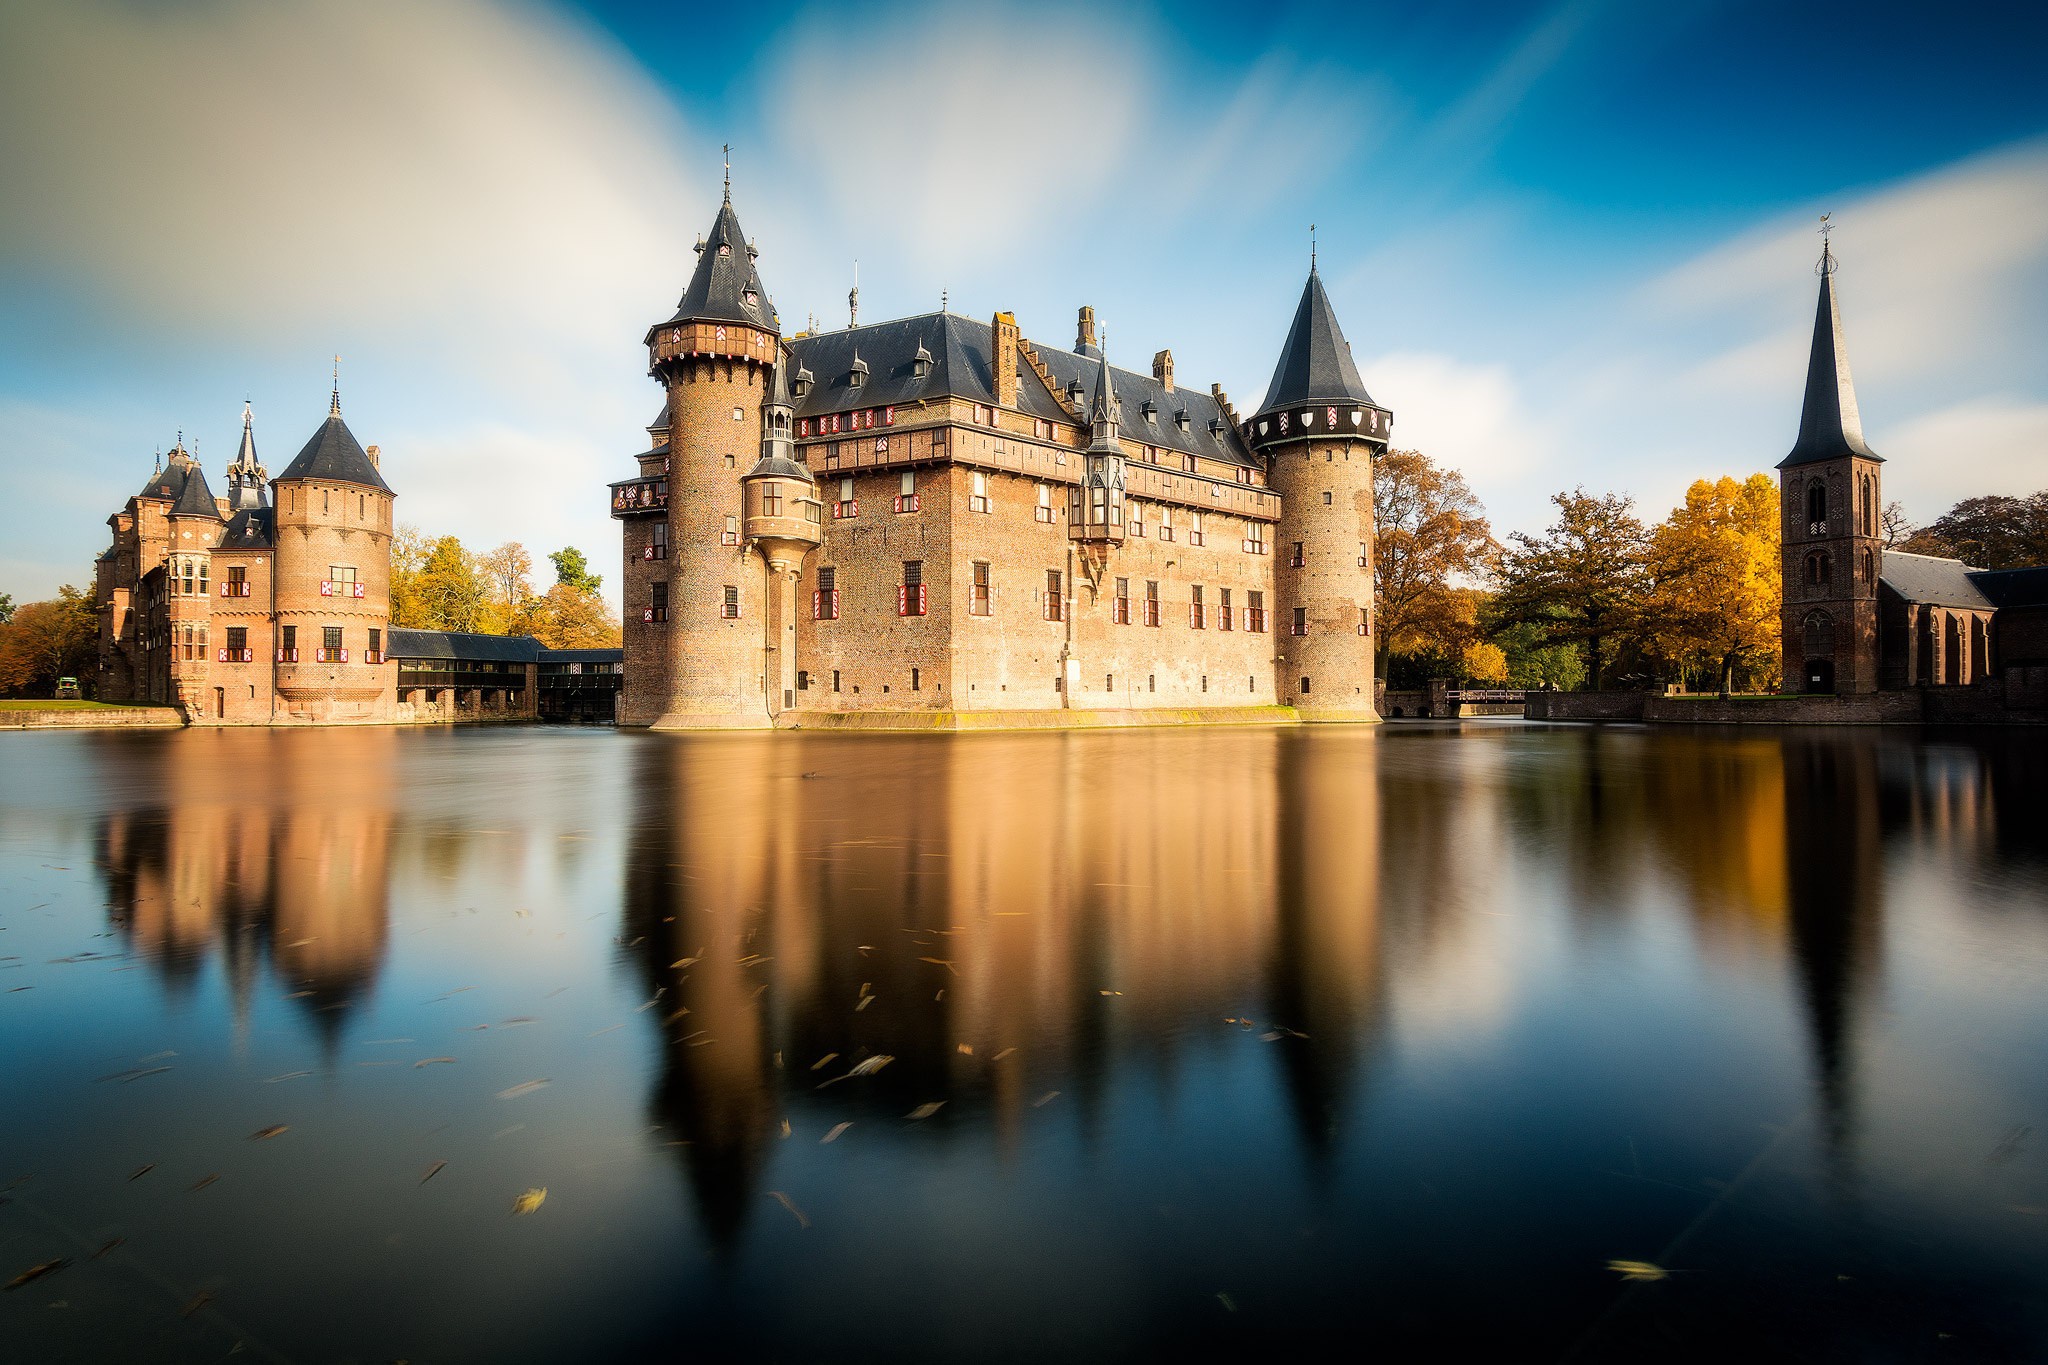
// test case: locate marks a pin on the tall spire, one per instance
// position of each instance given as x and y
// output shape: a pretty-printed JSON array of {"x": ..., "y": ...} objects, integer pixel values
[
  {"x": 246, "y": 475},
  {"x": 334, "y": 406},
  {"x": 1104, "y": 413},
  {"x": 1829, "y": 425},
  {"x": 728, "y": 172},
  {"x": 1315, "y": 363}
]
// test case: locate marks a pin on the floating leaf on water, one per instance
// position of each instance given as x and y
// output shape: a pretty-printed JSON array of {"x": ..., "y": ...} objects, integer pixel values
[
  {"x": 1043, "y": 1100},
  {"x": 965, "y": 1048},
  {"x": 429, "y": 1061},
  {"x": 36, "y": 1272},
  {"x": 274, "y": 1130},
  {"x": 523, "y": 1088},
  {"x": 1638, "y": 1270},
  {"x": 288, "y": 1076},
  {"x": 939, "y": 962},
  {"x": 1271, "y": 1036},
  {"x": 837, "y": 1129},
  {"x": 1229, "y": 1304},
  {"x": 106, "y": 1247},
  {"x": 135, "y": 1075},
  {"x": 925, "y": 1111},
  {"x": 204, "y": 1182},
  {"x": 601, "y": 1032},
  {"x": 1109, "y": 992},
  {"x": 1004, "y": 1053},
  {"x": 142, "y": 1171},
  {"x": 433, "y": 1171},
  {"x": 528, "y": 1202},
  {"x": 865, "y": 1001},
  {"x": 199, "y": 1301},
  {"x": 871, "y": 1065},
  {"x": 779, "y": 1197},
  {"x": 786, "y": 1129},
  {"x": 516, "y": 1019}
]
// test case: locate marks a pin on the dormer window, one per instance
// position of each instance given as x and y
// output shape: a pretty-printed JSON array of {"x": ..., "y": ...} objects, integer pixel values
[
  {"x": 801, "y": 381},
  {"x": 1216, "y": 426},
  {"x": 859, "y": 374},
  {"x": 1180, "y": 419},
  {"x": 753, "y": 299},
  {"x": 1074, "y": 393},
  {"x": 1151, "y": 410},
  {"x": 725, "y": 248},
  {"x": 921, "y": 363}
]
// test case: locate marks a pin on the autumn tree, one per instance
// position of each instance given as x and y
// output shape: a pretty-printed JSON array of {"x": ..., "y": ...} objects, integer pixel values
[
  {"x": 506, "y": 573},
  {"x": 43, "y": 641},
  {"x": 1994, "y": 532},
  {"x": 1583, "y": 579},
  {"x": 1894, "y": 526},
  {"x": 568, "y": 618},
  {"x": 1430, "y": 540},
  {"x": 1713, "y": 569}
]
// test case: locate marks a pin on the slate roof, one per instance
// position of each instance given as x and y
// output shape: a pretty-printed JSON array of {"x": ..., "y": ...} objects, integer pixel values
[
  {"x": 333, "y": 454},
  {"x": 1933, "y": 581},
  {"x": 961, "y": 350},
  {"x": 2013, "y": 587},
  {"x": 195, "y": 499},
  {"x": 253, "y": 528},
  {"x": 725, "y": 272},
  {"x": 452, "y": 644},
  {"x": 167, "y": 483},
  {"x": 1315, "y": 363},
  {"x": 1829, "y": 425},
  {"x": 776, "y": 467}
]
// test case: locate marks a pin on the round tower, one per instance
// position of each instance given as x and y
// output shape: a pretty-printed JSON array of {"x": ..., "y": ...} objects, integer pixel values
[
  {"x": 695, "y": 613},
  {"x": 333, "y": 579},
  {"x": 194, "y": 526},
  {"x": 1320, "y": 431}
]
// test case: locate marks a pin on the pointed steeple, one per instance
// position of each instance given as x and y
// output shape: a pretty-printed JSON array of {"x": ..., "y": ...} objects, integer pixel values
[
  {"x": 1829, "y": 426},
  {"x": 726, "y": 286},
  {"x": 1104, "y": 412},
  {"x": 247, "y": 478},
  {"x": 778, "y": 422},
  {"x": 1315, "y": 363}
]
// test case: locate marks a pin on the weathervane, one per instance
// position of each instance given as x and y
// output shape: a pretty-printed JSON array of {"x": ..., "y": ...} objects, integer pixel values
[
  {"x": 1827, "y": 251},
  {"x": 853, "y": 299},
  {"x": 728, "y": 172},
  {"x": 1311, "y": 248},
  {"x": 334, "y": 404}
]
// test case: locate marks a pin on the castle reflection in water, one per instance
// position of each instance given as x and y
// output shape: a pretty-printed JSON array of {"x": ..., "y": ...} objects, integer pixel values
[{"x": 1009, "y": 916}]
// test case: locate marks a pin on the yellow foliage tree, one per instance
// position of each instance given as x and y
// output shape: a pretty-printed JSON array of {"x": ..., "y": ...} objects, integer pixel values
[
  {"x": 1485, "y": 663},
  {"x": 568, "y": 617},
  {"x": 1713, "y": 567}
]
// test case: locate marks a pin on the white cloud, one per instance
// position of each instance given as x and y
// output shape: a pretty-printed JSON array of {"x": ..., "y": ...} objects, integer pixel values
[
  {"x": 1470, "y": 417},
  {"x": 1996, "y": 444}
]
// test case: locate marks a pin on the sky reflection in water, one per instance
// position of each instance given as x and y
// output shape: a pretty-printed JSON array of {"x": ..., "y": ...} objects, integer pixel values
[{"x": 1238, "y": 1042}]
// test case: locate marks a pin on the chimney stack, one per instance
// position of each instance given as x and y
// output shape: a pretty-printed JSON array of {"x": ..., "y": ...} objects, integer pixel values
[
  {"x": 1162, "y": 369},
  {"x": 1085, "y": 334},
  {"x": 1004, "y": 360},
  {"x": 375, "y": 463}
]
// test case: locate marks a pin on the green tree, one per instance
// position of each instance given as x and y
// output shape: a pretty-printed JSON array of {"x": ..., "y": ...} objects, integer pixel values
[
  {"x": 1994, "y": 532},
  {"x": 573, "y": 570},
  {"x": 1582, "y": 580},
  {"x": 6, "y": 608}
]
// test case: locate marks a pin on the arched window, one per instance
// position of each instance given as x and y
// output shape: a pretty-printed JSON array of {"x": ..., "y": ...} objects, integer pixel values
[
  {"x": 1818, "y": 632},
  {"x": 1818, "y": 569},
  {"x": 1869, "y": 504},
  {"x": 1869, "y": 567},
  {"x": 1817, "y": 507}
]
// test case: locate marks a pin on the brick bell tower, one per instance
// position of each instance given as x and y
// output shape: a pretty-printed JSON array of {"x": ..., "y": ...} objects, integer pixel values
[
  {"x": 696, "y": 598},
  {"x": 1320, "y": 431},
  {"x": 1830, "y": 501}
]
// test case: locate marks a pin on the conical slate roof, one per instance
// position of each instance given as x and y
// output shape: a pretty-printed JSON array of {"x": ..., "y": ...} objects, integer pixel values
[
  {"x": 335, "y": 456},
  {"x": 1104, "y": 413},
  {"x": 195, "y": 499},
  {"x": 1315, "y": 364},
  {"x": 1829, "y": 426},
  {"x": 724, "y": 279},
  {"x": 167, "y": 483}
]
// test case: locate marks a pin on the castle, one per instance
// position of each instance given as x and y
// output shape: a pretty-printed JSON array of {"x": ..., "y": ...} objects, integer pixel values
[
  {"x": 248, "y": 610},
  {"x": 938, "y": 522},
  {"x": 1858, "y": 618}
]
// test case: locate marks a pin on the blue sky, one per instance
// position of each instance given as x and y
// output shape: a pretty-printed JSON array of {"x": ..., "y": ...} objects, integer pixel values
[{"x": 1570, "y": 244}]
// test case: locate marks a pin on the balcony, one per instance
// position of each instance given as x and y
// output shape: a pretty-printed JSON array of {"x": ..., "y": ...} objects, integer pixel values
[{"x": 640, "y": 497}]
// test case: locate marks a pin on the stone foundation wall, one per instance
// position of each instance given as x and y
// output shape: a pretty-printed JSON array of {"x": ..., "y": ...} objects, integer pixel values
[{"x": 109, "y": 718}]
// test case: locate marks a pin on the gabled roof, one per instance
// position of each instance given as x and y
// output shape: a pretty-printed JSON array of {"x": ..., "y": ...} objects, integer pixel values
[
  {"x": 1315, "y": 363},
  {"x": 725, "y": 274},
  {"x": 334, "y": 455},
  {"x": 455, "y": 644},
  {"x": 195, "y": 499},
  {"x": 253, "y": 528},
  {"x": 961, "y": 351},
  {"x": 1829, "y": 425},
  {"x": 1931, "y": 580},
  {"x": 2013, "y": 587}
]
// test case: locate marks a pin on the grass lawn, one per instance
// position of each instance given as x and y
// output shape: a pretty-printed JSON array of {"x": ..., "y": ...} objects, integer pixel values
[{"x": 46, "y": 704}]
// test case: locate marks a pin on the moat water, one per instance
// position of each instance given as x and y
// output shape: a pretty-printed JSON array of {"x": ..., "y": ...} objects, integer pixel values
[{"x": 1079, "y": 1046}]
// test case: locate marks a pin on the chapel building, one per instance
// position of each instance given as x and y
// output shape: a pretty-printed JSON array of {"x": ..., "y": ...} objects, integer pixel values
[
  {"x": 937, "y": 521},
  {"x": 1858, "y": 617}
]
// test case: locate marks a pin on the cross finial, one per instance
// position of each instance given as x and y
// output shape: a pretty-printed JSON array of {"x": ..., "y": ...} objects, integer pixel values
[
  {"x": 943, "y": 297},
  {"x": 728, "y": 172},
  {"x": 1827, "y": 250},
  {"x": 334, "y": 406},
  {"x": 1311, "y": 248}
]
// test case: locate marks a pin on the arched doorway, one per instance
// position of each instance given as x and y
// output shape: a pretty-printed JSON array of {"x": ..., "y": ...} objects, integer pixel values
[{"x": 1817, "y": 633}]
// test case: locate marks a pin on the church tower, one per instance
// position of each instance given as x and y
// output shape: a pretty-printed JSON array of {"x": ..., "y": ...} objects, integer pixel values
[
  {"x": 1829, "y": 504},
  {"x": 1319, "y": 432},
  {"x": 696, "y": 627}
]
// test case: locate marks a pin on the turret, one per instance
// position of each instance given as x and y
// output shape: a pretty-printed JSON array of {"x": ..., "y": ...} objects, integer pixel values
[
  {"x": 248, "y": 480},
  {"x": 784, "y": 520},
  {"x": 696, "y": 596},
  {"x": 1095, "y": 511},
  {"x": 1830, "y": 501},
  {"x": 1320, "y": 432}
]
